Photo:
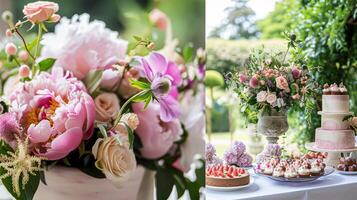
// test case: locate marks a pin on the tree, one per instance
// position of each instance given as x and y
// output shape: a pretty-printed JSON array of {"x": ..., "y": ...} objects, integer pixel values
[{"x": 239, "y": 22}]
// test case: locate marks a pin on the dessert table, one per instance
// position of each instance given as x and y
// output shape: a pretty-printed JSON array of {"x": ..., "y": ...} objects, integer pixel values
[{"x": 332, "y": 187}]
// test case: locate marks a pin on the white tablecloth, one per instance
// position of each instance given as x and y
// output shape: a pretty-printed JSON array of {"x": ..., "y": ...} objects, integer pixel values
[{"x": 332, "y": 187}]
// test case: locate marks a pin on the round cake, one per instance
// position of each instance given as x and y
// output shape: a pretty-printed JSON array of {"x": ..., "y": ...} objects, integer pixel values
[
  {"x": 331, "y": 121},
  {"x": 335, "y": 103},
  {"x": 334, "y": 139},
  {"x": 226, "y": 176}
]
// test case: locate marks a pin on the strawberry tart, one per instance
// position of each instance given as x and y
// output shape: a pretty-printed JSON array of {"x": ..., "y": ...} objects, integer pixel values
[{"x": 226, "y": 176}]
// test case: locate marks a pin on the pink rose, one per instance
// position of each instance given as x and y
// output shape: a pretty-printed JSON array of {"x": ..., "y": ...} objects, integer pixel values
[
  {"x": 282, "y": 83},
  {"x": 271, "y": 98},
  {"x": 242, "y": 78},
  {"x": 110, "y": 78},
  {"x": 296, "y": 96},
  {"x": 296, "y": 73},
  {"x": 261, "y": 96},
  {"x": 40, "y": 11},
  {"x": 159, "y": 19},
  {"x": 156, "y": 135},
  {"x": 254, "y": 82},
  {"x": 106, "y": 106}
]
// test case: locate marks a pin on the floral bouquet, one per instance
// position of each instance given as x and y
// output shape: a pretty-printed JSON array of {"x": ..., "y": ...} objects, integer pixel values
[
  {"x": 271, "y": 85},
  {"x": 84, "y": 98}
]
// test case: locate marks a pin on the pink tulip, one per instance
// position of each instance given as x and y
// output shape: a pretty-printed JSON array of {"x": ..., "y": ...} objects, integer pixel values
[
  {"x": 156, "y": 135},
  {"x": 253, "y": 82},
  {"x": 56, "y": 112}
]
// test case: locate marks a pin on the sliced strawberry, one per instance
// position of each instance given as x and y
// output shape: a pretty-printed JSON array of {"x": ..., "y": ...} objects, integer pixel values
[
  {"x": 226, "y": 167},
  {"x": 230, "y": 175},
  {"x": 235, "y": 172},
  {"x": 230, "y": 170}
]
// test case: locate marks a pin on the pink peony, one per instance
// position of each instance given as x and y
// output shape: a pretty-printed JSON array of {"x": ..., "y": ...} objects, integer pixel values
[
  {"x": 40, "y": 11},
  {"x": 55, "y": 112},
  {"x": 282, "y": 83},
  {"x": 81, "y": 46},
  {"x": 159, "y": 19},
  {"x": 156, "y": 135},
  {"x": 253, "y": 82}
]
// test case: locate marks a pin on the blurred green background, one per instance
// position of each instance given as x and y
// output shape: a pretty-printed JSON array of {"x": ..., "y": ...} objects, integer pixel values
[{"x": 130, "y": 17}]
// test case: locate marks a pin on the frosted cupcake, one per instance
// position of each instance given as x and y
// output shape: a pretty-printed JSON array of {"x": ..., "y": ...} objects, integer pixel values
[
  {"x": 316, "y": 169},
  {"x": 290, "y": 173},
  {"x": 304, "y": 172},
  {"x": 278, "y": 172}
]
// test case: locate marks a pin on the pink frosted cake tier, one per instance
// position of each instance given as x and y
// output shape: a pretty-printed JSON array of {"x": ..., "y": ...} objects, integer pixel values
[
  {"x": 331, "y": 121},
  {"x": 335, "y": 103},
  {"x": 334, "y": 139}
]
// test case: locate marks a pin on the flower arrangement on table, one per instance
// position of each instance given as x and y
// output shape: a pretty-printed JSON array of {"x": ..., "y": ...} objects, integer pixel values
[
  {"x": 272, "y": 84},
  {"x": 81, "y": 97}
]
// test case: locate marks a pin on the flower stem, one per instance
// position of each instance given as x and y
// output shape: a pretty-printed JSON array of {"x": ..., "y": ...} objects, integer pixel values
[
  {"x": 117, "y": 120},
  {"x": 286, "y": 53},
  {"x": 39, "y": 35},
  {"x": 25, "y": 45}
]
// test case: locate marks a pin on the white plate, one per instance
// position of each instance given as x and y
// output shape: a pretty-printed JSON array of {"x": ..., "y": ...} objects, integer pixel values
[
  {"x": 251, "y": 181},
  {"x": 346, "y": 172}
]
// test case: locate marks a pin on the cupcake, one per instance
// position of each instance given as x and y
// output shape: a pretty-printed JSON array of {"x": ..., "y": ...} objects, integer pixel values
[
  {"x": 290, "y": 173},
  {"x": 352, "y": 168},
  {"x": 304, "y": 172},
  {"x": 278, "y": 171},
  {"x": 326, "y": 90},
  {"x": 316, "y": 169},
  {"x": 268, "y": 170},
  {"x": 335, "y": 90},
  {"x": 343, "y": 89},
  {"x": 341, "y": 167}
]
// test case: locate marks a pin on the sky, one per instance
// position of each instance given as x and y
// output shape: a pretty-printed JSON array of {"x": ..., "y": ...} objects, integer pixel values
[{"x": 215, "y": 10}]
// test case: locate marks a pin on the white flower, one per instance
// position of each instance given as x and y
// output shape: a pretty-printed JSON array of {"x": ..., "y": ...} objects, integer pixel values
[
  {"x": 262, "y": 96},
  {"x": 280, "y": 102},
  {"x": 271, "y": 98},
  {"x": 81, "y": 46}
]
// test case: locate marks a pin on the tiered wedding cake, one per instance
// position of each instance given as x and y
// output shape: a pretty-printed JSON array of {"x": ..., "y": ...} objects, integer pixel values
[{"x": 334, "y": 133}]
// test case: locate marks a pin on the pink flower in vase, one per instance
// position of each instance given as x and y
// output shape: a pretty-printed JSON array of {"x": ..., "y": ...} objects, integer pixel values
[
  {"x": 156, "y": 135},
  {"x": 271, "y": 98},
  {"x": 56, "y": 113},
  {"x": 254, "y": 82},
  {"x": 41, "y": 11},
  {"x": 163, "y": 79},
  {"x": 282, "y": 83}
]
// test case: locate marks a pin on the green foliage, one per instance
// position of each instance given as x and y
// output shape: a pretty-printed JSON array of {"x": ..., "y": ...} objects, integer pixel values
[
  {"x": 93, "y": 79},
  {"x": 213, "y": 79},
  {"x": 328, "y": 31},
  {"x": 46, "y": 64}
]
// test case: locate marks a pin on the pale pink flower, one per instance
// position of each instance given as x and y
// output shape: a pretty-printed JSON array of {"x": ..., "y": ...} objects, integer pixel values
[
  {"x": 157, "y": 136},
  {"x": 111, "y": 78},
  {"x": 24, "y": 71},
  {"x": 55, "y": 112},
  {"x": 296, "y": 96},
  {"x": 262, "y": 96},
  {"x": 10, "y": 49},
  {"x": 9, "y": 128},
  {"x": 8, "y": 33},
  {"x": 107, "y": 107},
  {"x": 282, "y": 83},
  {"x": 159, "y": 19},
  {"x": 23, "y": 55},
  {"x": 271, "y": 98},
  {"x": 81, "y": 46},
  {"x": 242, "y": 78},
  {"x": 40, "y": 11}
]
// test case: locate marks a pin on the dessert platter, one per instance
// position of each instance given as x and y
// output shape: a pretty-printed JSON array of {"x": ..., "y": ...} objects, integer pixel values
[
  {"x": 227, "y": 177},
  {"x": 335, "y": 135},
  {"x": 295, "y": 168},
  {"x": 347, "y": 166}
]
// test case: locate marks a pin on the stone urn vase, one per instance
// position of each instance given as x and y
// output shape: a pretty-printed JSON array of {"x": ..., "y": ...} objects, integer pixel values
[{"x": 272, "y": 126}]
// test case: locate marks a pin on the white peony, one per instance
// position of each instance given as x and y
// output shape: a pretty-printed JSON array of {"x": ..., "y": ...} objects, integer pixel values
[{"x": 81, "y": 46}]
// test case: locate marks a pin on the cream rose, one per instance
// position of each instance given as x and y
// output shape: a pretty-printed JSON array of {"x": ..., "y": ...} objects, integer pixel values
[
  {"x": 106, "y": 106},
  {"x": 41, "y": 11},
  {"x": 114, "y": 158},
  {"x": 271, "y": 98},
  {"x": 130, "y": 119},
  {"x": 261, "y": 96}
]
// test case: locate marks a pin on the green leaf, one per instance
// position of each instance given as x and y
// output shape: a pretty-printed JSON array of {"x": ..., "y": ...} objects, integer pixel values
[
  {"x": 188, "y": 53},
  {"x": 140, "y": 84},
  {"x": 130, "y": 136},
  {"x": 164, "y": 183},
  {"x": 43, "y": 177},
  {"x": 137, "y": 38},
  {"x": 46, "y": 64},
  {"x": 103, "y": 130},
  {"x": 30, "y": 188},
  {"x": 93, "y": 79},
  {"x": 144, "y": 97}
]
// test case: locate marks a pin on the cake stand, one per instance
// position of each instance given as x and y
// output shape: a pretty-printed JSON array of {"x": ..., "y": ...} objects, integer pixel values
[{"x": 333, "y": 156}]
